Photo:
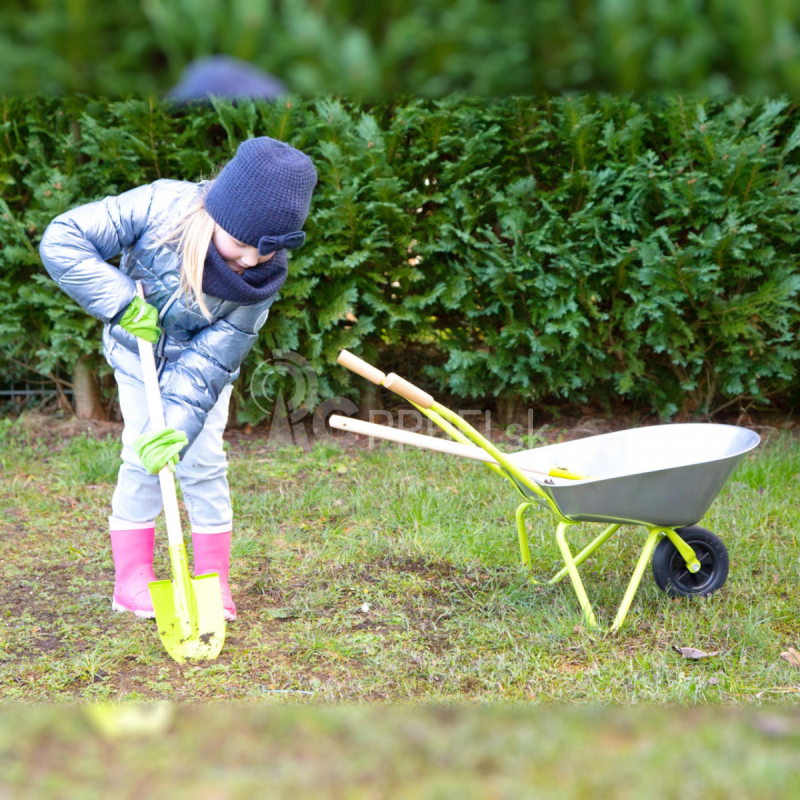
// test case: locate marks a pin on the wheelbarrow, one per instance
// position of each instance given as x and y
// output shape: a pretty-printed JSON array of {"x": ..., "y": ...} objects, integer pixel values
[{"x": 662, "y": 478}]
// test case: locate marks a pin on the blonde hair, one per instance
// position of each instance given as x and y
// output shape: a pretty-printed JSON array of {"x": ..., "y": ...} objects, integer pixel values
[{"x": 191, "y": 236}]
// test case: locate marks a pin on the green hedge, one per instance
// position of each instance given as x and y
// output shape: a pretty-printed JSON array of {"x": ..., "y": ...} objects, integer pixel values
[
  {"x": 577, "y": 249},
  {"x": 428, "y": 47}
]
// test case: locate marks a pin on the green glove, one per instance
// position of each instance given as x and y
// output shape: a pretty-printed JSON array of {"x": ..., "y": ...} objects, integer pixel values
[
  {"x": 141, "y": 319},
  {"x": 155, "y": 450}
]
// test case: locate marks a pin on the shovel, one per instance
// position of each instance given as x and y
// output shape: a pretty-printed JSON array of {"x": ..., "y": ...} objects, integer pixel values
[{"x": 189, "y": 612}]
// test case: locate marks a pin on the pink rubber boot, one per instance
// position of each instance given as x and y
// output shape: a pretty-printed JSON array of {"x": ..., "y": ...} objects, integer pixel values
[
  {"x": 132, "y": 547},
  {"x": 212, "y": 553}
]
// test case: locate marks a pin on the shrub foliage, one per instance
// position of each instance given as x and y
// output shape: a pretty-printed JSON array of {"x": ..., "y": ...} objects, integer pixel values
[
  {"x": 533, "y": 250},
  {"x": 428, "y": 47}
]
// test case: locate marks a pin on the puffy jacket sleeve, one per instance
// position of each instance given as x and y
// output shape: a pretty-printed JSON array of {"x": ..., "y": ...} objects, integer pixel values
[
  {"x": 77, "y": 244},
  {"x": 212, "y": 360}
]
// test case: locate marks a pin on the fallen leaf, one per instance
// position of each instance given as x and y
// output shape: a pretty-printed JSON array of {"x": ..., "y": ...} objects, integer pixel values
[
  {"x": 792, "y": 656},
  {"x": 693, "y": 653}
]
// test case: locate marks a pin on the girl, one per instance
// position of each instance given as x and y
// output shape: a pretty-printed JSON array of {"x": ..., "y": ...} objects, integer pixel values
[{"x": 211, "y": 257}]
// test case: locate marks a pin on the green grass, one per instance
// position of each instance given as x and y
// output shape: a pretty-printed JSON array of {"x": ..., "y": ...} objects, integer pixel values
[{"x": 429, "y": 545}]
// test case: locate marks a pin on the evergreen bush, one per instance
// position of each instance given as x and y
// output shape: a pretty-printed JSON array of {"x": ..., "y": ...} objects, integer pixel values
[
  {"x": 426, "y": 47},
  {"x": 532, "y": 250}
]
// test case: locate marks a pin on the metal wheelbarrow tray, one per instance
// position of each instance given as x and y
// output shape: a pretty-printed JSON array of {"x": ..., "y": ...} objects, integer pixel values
[
  {"x": 665, "y": 475},
  {"x": 663, "y": 478}
]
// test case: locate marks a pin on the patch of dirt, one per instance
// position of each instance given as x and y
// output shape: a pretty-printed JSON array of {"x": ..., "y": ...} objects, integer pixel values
[
  {"x": 417, "y": 566},
  {"x": 48, "y": 644},
  {"x": 9, "y": 529},
  {"x": 58, "y": 427},
  {"x": 381, "y": 629},
  {"x": 245, "y": 439}
]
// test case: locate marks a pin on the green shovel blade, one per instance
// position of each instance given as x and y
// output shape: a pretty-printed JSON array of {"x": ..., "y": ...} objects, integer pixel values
[{"x": 189, "y": 615}]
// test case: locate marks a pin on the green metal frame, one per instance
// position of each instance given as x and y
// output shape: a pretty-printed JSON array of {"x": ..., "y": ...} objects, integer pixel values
[{"x": 460, "y": 430}]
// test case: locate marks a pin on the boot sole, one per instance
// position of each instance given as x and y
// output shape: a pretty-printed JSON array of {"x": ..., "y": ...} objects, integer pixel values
[{"x": 141, "y": 613}]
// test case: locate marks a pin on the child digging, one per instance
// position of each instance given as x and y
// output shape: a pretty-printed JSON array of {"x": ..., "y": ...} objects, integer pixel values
[{"x": 211, "y": 257}]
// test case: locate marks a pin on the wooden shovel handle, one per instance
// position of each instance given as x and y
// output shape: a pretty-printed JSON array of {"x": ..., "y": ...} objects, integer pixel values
[
  {"x": 150, "y": 375},
  {"x": 360, "y": 367},
  {"x": 155, "y": 409},
  {"x": 408, "y": 391}
]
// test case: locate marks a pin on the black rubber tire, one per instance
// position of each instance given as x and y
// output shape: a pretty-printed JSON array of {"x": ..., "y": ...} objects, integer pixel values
[{"x": 669, "y": 568}]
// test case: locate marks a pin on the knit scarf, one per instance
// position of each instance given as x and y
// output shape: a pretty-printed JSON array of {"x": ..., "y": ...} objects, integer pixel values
[{"x": 252, "y": 286}]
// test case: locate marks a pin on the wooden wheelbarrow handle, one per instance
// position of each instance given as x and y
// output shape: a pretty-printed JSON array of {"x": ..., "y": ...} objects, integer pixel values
[
  {"x": 393, "y": 382},
  {"x": 420, "y": 440},
  {"x": 424, "y": 401},
  {"x": 361, "y": 367}
]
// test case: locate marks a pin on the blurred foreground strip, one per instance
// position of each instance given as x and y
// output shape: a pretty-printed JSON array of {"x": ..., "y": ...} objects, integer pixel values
[{"x": 463, "y": 752}]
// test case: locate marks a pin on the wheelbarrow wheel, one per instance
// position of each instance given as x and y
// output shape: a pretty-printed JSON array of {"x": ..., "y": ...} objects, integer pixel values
[{"x": 673, "y": 576}]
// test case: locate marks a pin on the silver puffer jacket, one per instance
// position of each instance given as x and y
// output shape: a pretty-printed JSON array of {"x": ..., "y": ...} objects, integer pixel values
[{"x": 195, "y": 358}]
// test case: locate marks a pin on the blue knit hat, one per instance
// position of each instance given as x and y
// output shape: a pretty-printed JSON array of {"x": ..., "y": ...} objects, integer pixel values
[
  {"x": 225, "y": 76},
  {"x": 262, "y": 195}
]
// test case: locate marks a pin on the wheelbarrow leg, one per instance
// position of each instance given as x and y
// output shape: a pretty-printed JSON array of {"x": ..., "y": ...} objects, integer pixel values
[
  {"x": 577, "y": 584},
  {"x": 524, "y": 548},
  {"x": 641, "y": 565},
  {"x": 587, "y": 551}
]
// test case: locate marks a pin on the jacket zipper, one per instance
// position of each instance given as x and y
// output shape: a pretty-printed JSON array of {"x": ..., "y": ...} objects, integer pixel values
[{"x": 161, "y": 359}]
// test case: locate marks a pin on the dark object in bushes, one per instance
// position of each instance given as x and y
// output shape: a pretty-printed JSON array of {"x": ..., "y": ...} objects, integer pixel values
[{"x": 225, "y": 76}]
